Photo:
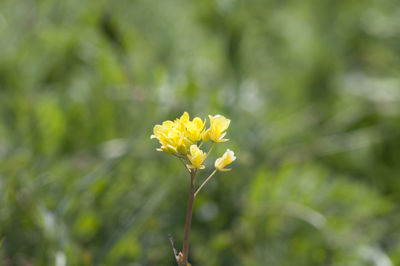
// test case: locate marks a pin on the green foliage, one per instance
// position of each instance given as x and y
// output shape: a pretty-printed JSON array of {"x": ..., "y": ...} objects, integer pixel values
[{"x": 311, "y": 87}]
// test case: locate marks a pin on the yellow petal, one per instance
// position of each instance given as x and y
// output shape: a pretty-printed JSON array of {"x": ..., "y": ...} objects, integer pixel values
[
  {"x": 223, "y": 161},
  {"x": 206, "y": 135},
  {"x": 185, "y": 117}
]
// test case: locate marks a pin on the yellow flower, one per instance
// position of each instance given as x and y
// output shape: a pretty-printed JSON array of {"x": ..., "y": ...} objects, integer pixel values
[
  {"x": 194, "y": 129},
  {"x": 166, "y": 135},
  {"x": 196, "y": 157},
  {"x": 218, "y": 124},
  {"x": 171, "y": 135},
  {"x": 223, "y": 161}
]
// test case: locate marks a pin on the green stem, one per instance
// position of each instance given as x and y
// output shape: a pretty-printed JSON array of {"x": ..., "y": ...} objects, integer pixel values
[
  {"x": 210, "y": 151},
  {"x": 205, "y": 182}
]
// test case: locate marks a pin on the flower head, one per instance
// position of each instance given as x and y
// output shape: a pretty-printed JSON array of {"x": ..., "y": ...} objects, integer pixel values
[
  {"x": 223, "y": 161},
  {"x": 218, "y": 124},
  {"x": 196, "y": 157},
  {"x": 177, "y": 136},
  {"x": 171, "y": 135}
]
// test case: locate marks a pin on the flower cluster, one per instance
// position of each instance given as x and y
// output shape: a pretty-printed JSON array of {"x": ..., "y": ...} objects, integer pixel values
[{"x": 184, "y": 137}]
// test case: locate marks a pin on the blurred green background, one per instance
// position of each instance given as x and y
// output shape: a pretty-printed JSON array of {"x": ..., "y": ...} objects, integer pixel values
[{"x": 313, "y": 92}]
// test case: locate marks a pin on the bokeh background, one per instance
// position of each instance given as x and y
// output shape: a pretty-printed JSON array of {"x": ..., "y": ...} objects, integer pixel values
[{"x": 312, "y": 89}]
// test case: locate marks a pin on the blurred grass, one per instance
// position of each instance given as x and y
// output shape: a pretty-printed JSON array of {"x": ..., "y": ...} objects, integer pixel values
[{"x": 313, "y": 91}]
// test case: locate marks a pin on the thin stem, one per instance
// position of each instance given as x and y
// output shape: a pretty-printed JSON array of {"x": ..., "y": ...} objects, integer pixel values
[
  {"x": 187, "y": 168},
  {"x": 205, "y": 182},
  {"x": 179, "y": 156},
  {"x": 185, "y": 249},
  {"x": 212, "y": 146}
]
